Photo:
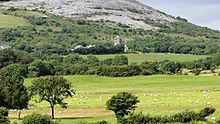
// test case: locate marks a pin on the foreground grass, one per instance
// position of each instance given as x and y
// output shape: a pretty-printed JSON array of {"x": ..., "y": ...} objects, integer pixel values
[
  {"x": 7, "y": 21},
  {"x": 159, "y": 95},
  {"x": 139, "y": 58}
]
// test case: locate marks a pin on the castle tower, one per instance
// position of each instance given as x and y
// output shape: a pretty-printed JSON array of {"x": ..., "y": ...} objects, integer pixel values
[{"x": 118, "y": 40}]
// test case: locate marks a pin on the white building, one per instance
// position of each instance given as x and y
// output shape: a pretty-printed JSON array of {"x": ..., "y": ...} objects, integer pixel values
[
  {"x": 2, "y": 47},
  {"x": 81, "y": 46},
  {"x": 126, "y": 48},
  {"x": 118, "y": 41}
]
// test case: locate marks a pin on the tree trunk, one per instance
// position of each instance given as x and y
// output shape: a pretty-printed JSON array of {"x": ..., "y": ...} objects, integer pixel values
[
  {"x": 52, "y": 110},
  {"x": 19, "y": 114}
]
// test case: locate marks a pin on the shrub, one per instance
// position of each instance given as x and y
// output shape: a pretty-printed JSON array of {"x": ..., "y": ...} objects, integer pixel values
[
  {"x": 98, "y": 122},
  {"x": 205, "y": 113},
  {"x": 4, "y": 115},
  {"x": 120, "y": 60},
  {"x": 182, "y": 117},
  {"x": 102, "y": 122},
  {"x": 218, "y": 121},
  {"x": 196, "y": 72},
  {"x": 146, "y": 72},
  {"x": 134, "y": 119},
  {"x": 37, "y": 119}
]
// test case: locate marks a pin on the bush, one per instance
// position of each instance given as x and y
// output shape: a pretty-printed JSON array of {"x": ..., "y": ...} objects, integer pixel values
[
  {"x": 196, "y": 72},
  {"x": 218, "y": 121},
  {"x": 182, "y": 117},
  {"x": 134, "y": 119},
  {"x": 205, "y": 113},
  {"x": 146, "y": 72},
  {"x": 4, "y": 115},
  {"x": 98, "y": 122},
  {"x": 102, "y": 122},
  {"x": 120, "y": 60},
  {"x": 37, "y": 119}
]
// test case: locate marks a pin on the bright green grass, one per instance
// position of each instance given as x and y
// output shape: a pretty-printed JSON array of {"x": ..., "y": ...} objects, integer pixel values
[
  {"x": 7, "y": 21},
  {"x": 139, "y": 58},
  {"x": 159, "y": 95}
]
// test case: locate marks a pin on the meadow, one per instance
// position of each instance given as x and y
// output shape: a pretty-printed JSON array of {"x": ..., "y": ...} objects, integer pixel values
[
  {"x": 139, "y": 58},
  {"x": 159, "y": 95},
  {"x": 8, "y": 21}
]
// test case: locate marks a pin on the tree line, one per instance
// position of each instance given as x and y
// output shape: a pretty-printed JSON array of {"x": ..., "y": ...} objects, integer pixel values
[{"x": 35, "y": 66}]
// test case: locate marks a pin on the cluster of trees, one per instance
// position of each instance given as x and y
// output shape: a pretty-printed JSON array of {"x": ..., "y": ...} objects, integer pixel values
[
  {"x": 14, "y": 95},
  {"x": 123, "y": 105},
  {"x": 166, "y": 44},
  {"x": 35, "y": 66},
  {"x": 74, "y": 64}
]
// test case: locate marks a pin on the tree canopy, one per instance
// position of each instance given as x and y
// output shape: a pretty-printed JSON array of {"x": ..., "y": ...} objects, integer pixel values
[
  {"x": 122, "y": 104},
  {"x": 53, "y": 90}
]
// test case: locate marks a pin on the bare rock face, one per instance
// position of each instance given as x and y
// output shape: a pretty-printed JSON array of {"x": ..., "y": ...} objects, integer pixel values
[{"x": 127, "y": 12}]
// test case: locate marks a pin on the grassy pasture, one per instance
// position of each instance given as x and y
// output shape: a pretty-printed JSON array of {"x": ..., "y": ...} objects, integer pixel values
[
  {"x": 8, "y": 21},
  {"x": 139, "y": 58},
  {"x": 159, "y": 95}
]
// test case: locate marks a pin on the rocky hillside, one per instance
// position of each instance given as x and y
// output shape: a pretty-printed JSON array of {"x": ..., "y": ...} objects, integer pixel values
[
  {"x": 45, "y": 28},
  {"x": 128, "y": 12}
]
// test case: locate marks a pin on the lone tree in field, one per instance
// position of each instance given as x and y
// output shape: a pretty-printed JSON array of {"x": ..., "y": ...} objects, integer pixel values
[
  {"x": 53, "y": 90},
  {"x": 122, "y": 104}
]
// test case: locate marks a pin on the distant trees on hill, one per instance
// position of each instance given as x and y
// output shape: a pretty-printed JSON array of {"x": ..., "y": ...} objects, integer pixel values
[{"x": 54, "y": 35}]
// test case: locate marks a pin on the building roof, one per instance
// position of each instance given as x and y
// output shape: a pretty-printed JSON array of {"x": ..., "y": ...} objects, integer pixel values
[{"x": 2, "y": 47}]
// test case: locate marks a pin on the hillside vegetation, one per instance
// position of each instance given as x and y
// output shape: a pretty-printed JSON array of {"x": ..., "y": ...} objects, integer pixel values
[{"x": 48, "y": 34}]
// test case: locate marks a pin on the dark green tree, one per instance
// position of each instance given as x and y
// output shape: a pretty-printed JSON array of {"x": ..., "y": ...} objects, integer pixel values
[
  {"x": 18, "y": 69},
  {"x": 107, "y": 61},
  {"x": 40, "y": 68},
  {"x": 7, "y": 57},
  {"x": 72, "y": 59},
  {"x": 4, "y": 115},
  {"x": 92, "y": 60},
  {"x": 14, "y": 93},
  {"x": 53, "y": 90},
  {"x": 122, "y": 104},
  {"x": 170, "y": 67},
  {"x": 120, "y": 60}
]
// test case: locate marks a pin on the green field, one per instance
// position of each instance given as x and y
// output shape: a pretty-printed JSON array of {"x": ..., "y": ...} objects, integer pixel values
[
  {"x": 139, "y": 58},
  {"x": 159, "y": 95},
  {"x": 7, "y": 21}
]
